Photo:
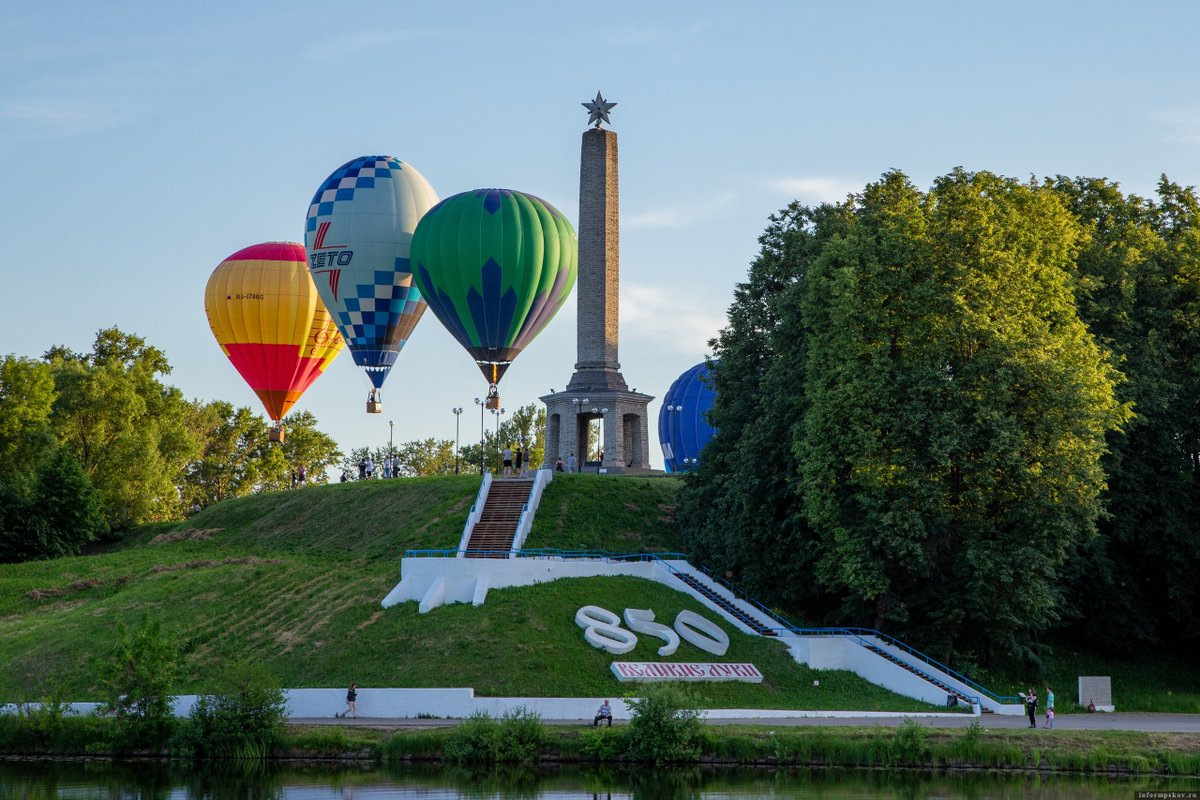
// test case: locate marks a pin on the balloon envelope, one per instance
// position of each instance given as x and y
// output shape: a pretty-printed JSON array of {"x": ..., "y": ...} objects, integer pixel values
[
  {"x": 357, "y": 234},
  {"x": 264, "y": 311},
  {"x": 495, "y": 265},
  {"x": 683, "y": 427}
]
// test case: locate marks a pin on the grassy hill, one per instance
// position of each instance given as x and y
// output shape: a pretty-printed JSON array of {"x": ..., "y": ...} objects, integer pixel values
[{"x": 293, "y": 580}]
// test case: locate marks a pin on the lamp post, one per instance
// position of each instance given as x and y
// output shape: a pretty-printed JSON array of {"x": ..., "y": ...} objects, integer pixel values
[
  {"x": 457, "y": 417},
  {"x": 673, "y": 423},
  {"x": 482, "y": 405},
  {"x": 391, "y": 430}
]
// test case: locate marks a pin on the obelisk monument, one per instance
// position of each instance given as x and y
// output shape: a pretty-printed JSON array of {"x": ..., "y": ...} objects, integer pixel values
[{"x": 597, "y": 390}]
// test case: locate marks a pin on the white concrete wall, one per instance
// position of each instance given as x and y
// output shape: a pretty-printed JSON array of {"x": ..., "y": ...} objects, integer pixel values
[{"x": 304, "y": 704}]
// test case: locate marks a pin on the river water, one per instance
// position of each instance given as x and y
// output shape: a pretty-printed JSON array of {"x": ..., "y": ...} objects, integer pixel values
[{"x": 35, "y": 780}]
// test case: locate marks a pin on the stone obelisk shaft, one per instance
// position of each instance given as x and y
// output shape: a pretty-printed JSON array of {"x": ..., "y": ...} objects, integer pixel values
[{"x": 599, "y": 262}]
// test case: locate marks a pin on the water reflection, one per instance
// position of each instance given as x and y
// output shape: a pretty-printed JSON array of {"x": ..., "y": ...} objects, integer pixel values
[{"x": 38, "y": 780}]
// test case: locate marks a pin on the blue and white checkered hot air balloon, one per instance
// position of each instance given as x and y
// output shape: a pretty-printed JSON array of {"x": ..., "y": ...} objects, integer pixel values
[{"x": 357, "y": 235}]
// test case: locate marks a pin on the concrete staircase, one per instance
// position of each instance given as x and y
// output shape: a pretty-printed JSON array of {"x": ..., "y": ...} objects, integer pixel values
[
  {"x": 726, "y": 605},
  {"x": 949, "y": 690},
  {"x": 492, "y": 536}
]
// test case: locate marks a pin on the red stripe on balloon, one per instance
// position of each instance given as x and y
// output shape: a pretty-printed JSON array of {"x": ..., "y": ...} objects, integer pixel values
[{"x": 277, "y": 373}]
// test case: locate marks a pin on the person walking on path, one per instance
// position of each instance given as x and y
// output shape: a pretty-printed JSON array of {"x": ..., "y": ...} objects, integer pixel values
[
  {"x": 1049, "y": 707},
  {"x": 351, "y": 703}
]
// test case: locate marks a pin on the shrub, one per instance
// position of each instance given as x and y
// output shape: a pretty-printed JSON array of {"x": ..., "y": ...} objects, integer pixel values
[
  {"x": 137, "y": 679},
  {"x": 664, "y": 724},
  {"x": 603, "y": 744},
  {"x": 473, "y": 741},
  {"x": 910, "y": 747},
  {"x": 517, "y": 737},
  {"x": 520, "y": 737},
  {"x": 244, "y": 722}
]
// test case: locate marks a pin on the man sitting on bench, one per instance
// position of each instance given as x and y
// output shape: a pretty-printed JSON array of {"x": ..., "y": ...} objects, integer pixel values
[{"x": 604, "y": 712}]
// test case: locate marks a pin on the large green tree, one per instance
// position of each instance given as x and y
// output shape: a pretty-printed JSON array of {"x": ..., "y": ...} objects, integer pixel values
[
  {"x": 128, "y": 430},
  {"x": 951, "y": 455},
  {"x": 740, "y": 513},
  {"x": 1141, "y": 278},
  {"x": 911, "y": 415}
]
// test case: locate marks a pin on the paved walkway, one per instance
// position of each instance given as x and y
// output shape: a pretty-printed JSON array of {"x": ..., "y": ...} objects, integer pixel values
[{"x": 1150, "y": 723}]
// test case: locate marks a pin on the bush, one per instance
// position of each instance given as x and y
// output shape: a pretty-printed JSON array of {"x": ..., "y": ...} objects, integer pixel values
[
  {"x": 137, "y": 679},
  {"x": 910, "y": 748},
  {"x": 664, "y": 724},
  {"x": 518, "y": 737},
  {"x": 473, "y": 741},
  {"x": 244, "y": 722},
  {"x": 604, "y": 744}
]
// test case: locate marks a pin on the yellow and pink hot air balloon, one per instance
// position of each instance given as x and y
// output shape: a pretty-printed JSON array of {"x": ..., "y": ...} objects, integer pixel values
[{"x": 265, "y": 313}]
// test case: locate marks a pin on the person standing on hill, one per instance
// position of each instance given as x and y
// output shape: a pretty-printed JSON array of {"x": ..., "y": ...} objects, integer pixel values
[
  {"x": 301, "y": 475},
  {"x": 507, "y": 460},
  {"x": 519, "y": 456},
  {"x": 571, "y": 463}
]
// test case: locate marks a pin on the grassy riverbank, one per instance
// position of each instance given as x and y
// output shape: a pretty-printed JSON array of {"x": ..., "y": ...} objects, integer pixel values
[{"x": 909, "y": 746}]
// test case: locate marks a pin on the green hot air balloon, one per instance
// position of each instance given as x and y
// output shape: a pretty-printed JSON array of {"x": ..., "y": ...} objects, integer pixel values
[{"x": 494, "y": 265}]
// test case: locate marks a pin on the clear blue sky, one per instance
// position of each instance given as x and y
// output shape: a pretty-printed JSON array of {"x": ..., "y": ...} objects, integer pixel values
[{"x": 143, "y": 142}]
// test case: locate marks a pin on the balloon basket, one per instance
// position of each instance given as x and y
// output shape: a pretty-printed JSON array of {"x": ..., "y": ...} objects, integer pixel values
[
  {"x": 275, "y": 435},
  {"x": 374, "y": 407},
  {"x": 493, "y": 398}
]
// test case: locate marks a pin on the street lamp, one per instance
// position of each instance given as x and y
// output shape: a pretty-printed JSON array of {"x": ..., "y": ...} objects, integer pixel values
[
  {"x": 457, "y": 416},
  {"x": 391, "y": 430},
  {"x": 482, "y": 405},
  {"x": 673, "y": 423}
]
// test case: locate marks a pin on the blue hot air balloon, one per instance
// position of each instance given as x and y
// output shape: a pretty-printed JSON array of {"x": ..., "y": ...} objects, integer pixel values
[
  {"x": 683, "y": 427},
  {"x": 357, "y": 235}
]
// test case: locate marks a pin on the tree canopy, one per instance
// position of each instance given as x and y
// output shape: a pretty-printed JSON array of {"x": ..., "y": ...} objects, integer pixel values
[{"x": 950, "y": 414}]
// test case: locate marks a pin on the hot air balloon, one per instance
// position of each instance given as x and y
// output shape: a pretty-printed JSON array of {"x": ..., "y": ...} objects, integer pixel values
[
  {"x": 357, "y": 234},
  {"x": 495, "y": 265},
  {"x": 683, "y": 427},
  {"x": 264, "y": 311}
]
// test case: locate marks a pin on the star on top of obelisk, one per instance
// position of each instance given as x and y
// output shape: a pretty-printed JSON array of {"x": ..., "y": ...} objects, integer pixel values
[{"x": 598, "y": 110}]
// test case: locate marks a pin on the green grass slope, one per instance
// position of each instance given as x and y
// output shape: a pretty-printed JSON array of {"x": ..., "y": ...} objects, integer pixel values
[{"x": 292, "y": 581}]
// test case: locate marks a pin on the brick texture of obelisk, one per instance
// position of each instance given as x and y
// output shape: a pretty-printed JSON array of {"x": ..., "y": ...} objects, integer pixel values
[{"x": 599, "y": 284}]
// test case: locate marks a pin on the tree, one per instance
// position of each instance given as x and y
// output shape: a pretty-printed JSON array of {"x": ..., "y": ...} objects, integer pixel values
[
  {"x": 306, "y": 445},
  {"x": 1141, "y": 282},
  {"x": 138, "y": 679},
  {"x": 740, "y": 513},
  {"x": 425, "y": 457},
  {"x": 127, "y": 429},
  {"x": 950, "y": 458},
  {"x": 26, "y": 400},
  {"x": 48, "y": 507},
  {"x": 234, "y": 454}
]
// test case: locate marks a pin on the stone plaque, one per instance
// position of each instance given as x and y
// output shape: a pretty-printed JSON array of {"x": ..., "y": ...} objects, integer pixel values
[{"x": 1096, "y": 689}]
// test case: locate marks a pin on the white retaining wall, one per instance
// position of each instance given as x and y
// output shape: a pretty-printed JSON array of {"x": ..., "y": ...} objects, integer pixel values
[{"x": 461, "y": 703}]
